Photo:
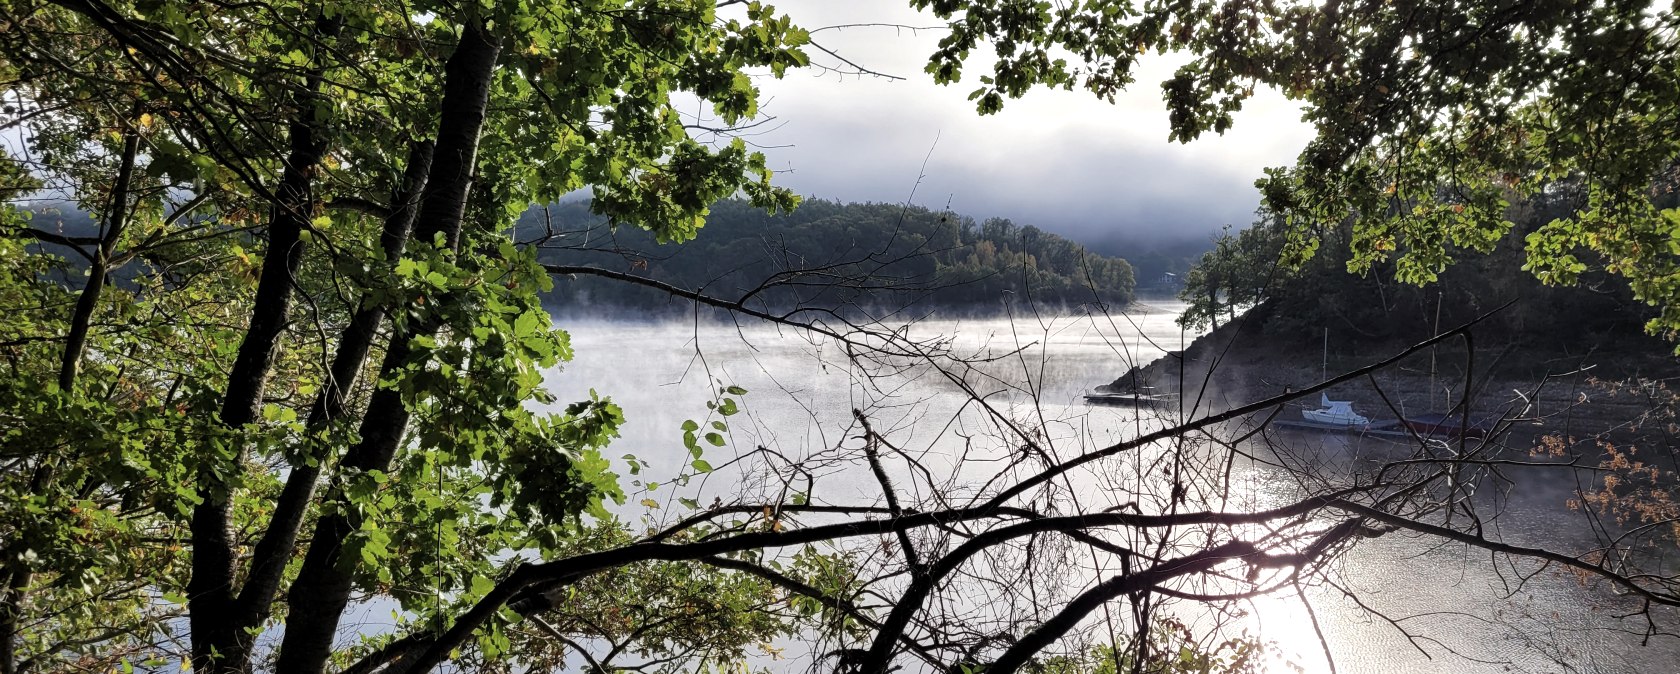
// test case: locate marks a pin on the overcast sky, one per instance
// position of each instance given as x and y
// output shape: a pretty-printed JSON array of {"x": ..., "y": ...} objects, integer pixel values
[{"x": 1061, "y": 160}]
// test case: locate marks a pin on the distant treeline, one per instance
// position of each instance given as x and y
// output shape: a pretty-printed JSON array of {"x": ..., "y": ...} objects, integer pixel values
[
  {"x": 1160, "y": 258},
  {"x": 828, "y": 255},
  {"x": 824, "y": 254}
]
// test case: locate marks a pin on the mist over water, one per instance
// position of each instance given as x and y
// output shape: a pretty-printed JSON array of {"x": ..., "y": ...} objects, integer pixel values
[{"x": 1438, "y": 598}]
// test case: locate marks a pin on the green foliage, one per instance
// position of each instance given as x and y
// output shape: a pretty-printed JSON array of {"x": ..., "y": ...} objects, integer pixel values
[
  {"x": 183, "y": 122},
  {"x": 1238, "y": 273},
  {"x": 120, "y": 445},
  {"x": 1430, "y": 119},
  {"x": 562, "y": 480}
]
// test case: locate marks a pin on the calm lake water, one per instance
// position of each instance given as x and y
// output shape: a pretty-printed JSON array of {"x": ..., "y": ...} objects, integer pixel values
[{"x": 1464, "y": 612}]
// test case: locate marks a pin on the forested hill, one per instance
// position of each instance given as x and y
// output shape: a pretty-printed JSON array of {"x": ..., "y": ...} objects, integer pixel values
[
  {"x": 1536, "y": 326},
  {"x": 829, "y": 255}
]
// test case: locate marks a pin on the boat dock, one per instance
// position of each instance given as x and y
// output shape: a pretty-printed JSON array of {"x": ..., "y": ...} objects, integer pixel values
[
  {"x": 1132, "y": 399},
  {"x": 1390, "y": 429}
]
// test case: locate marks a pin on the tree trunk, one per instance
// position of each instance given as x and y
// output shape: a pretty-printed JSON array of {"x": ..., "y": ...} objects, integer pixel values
[
  {"x": 268, "y": 560},
  {"x": 318, "y": 597},
  {"x": 220, "y": 644},
  {"x": 217, "y": 641},
  {"x": 11, "y": 609},
  {"x": 1213, "y": 305},
  {"x": 75, "y": 342}
]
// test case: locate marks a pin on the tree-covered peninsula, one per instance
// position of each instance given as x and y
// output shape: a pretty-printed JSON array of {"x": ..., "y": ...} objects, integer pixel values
[{"x": 826, "y": 254}]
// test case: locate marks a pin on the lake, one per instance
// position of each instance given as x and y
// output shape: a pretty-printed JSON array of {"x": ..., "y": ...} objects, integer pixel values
[{"x": 1447, "y": 608}]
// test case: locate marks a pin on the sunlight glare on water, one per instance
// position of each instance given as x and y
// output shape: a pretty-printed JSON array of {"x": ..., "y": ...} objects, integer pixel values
[{"x": 802, "y": 390}]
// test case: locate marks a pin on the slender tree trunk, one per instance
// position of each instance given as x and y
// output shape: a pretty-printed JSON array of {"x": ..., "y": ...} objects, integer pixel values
[
  {"x": 318, "y": 597},
  {"x": 16, "y": 585},
  {"x": 220, "y": 644},
  {"x": 268, "y": 560},
  {"x": 1213, "y": 306},
  {"x": 216, "y": 636},
  {"x": 11, "y": 608},
  {"x": 75, "y": 342}
]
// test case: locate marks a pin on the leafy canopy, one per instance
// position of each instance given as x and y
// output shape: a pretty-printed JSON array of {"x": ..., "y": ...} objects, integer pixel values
[
  {"x": 251, "y": 165},
  {"x": 1431, "y": 117}
]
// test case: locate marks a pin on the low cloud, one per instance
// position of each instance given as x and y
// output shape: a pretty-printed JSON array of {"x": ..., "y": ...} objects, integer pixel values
[{"x": 1060, "y": 160}]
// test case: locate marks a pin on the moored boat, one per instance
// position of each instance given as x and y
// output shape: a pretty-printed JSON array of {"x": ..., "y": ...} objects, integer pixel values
[{"x": 1335, "y": 413}]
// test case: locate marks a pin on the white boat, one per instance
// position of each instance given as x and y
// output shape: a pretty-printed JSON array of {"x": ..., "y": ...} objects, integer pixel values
[{"x": 1335, "y": 413}]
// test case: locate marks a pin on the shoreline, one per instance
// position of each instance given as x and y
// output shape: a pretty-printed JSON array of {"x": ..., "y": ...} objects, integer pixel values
[
  {"x": 1542, "y": 394},
  {"x": 684, "y": 310}
]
